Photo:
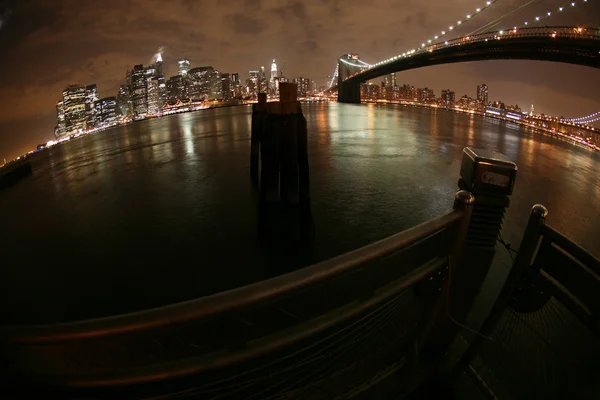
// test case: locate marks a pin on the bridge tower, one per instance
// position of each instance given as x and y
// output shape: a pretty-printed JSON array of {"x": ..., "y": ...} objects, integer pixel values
[{"x": 348, "y": 64}]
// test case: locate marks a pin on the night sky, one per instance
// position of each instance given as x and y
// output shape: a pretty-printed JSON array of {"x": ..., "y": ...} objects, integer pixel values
[{"x": 47, "y": 45}]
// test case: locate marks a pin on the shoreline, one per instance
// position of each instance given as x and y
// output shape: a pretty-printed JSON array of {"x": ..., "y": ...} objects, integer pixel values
[{"x": 536, "y": 129}]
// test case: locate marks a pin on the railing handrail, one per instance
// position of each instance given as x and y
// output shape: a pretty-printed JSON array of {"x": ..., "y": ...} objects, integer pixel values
[
  {"x": 572, "y": 248},
  {"x": 230, "y": 300}
]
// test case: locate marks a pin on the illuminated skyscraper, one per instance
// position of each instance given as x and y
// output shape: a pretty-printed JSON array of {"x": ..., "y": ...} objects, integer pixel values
[
  {"x": 91, "y": 96},
  {"x": 106, "y": 111},
  {"x": 216, "y": 86},
  {"x": 74, "y": 108},
  {"x": 139, "y": 90},
  {"x": 226, "y": 85},
  {"x": 304, "y": 85},
  {"x": 159, "y": 64},
  {"x": 200, "y": 79},
  {"x": 482, "y": 94},
  {"x": 123, "y": 101},
  {"x": 155, "y": 102},
  {"x": 274, "y": 74},
  {"x": 252, "y": 85},
  {"x": 61, "y": 128},
  {"x": 183, "y": 67},
  {"x": 448, "y": 98},
  {"x": 263, "y": 82},
  {"x": 236, "y": 85},
  {"x": 394, "y": 83}
]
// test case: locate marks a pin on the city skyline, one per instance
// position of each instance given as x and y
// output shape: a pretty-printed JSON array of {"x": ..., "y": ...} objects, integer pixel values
[{"x": 51, "y": 46}]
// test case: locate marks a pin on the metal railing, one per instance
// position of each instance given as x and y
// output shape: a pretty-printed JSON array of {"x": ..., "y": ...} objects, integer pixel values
[
  {"x": 334, "y": 327},
  {"x": 550, "y": 33},
  {"x": 542, "y": 338}
]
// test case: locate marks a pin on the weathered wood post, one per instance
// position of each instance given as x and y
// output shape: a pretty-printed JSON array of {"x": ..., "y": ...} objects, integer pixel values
[
  {"x": 284, "y": 207},
  {"x": 259, "y": 111}
]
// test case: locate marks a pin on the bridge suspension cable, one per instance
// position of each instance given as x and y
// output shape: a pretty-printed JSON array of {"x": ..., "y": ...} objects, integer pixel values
[
  {"x": 443, "y": 33},
  {"x": 490, "y": 25},
  {"x": 335, "y": 75},
  {"x": 588, "y": 119},
  {"x": 548, "y": 14}
]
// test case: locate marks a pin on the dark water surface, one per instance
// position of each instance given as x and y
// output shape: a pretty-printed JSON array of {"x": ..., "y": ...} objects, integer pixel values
[{"x": 163, "y": 210}]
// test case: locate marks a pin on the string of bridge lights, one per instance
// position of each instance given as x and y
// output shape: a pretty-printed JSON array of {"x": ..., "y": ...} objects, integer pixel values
[
  {"x": 588, "y": 119},
  {"x": 549, "y": 13},
  {"x": 443, "y": 33},
  {"x": 488, "y": 4}
]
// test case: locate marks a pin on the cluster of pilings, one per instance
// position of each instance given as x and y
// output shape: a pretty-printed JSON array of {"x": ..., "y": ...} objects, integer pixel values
[{"x": 279, "y": 165}]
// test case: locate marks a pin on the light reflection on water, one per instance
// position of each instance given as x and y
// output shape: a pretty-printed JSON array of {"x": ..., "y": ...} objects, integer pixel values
[{"x": 163, "y": 210}]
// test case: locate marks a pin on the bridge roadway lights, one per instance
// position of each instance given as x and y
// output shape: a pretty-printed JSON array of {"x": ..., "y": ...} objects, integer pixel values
[
  {"x": 490, "y": 177},
  {"x": 348, "y": 92}
]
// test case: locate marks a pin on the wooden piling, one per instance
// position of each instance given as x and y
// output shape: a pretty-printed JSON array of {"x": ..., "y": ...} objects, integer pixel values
[
  {"x": 259, "y": 111},
  {"x": 284, "y": 206}
]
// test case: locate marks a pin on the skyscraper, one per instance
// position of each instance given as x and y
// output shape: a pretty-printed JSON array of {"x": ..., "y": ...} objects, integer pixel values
[
  {"x": 91, "y": 96},
  {"x": 159, "y": 64},
  {"x": 123, "y": 101},
  {"x": 176, "y": 88},
  {"x": 139, "y": 90},
  {"x": 482, "y": 94},
  {"x": 183, "y": 67},
  {"x": 394, "y": 80},
  {"x": 74, "y": 108},
  {"x": 274, "y": 74},
  {"x": 226, "y": 85},
  {"x": 263, "y": 83},
  {"x": 155, "y": 102},
  {"x": 200, "y": 79},
  {"x": 236, "y": 85},
  {"x": 106, "y": 111},
  {"x": 61, "y": 128},
  {"x": 448, "y": 98},
  {"x": 252, "y": 84},
  {"x": 303, "y": 86},
  {"x": 216, "y": 86}
]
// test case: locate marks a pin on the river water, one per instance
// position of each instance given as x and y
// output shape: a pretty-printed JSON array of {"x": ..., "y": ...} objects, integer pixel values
[{"x": 163, "y": 210}]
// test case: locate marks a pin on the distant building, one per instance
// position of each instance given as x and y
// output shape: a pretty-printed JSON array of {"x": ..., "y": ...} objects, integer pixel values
[
  {"x": 139, "y": 90},
  {"x": 426, "y": 95},
  {"x": 159, "y": 65},
  {"x": 200, "y": 79},
  {"x": 482, "y": 94},
  {"x": 91, "y": 96},
  {"x": 61, "y": 128},
  {"x": 236, "y": 87},
  {"x": 370, "y": 91},
  {"x": 226, "y": 86},
  {"x": 106, "y": 111},
  {"x": 124, "y": 101},
  {"x": 263, "y": 83},
  {"x": 304, "y": 86},
  {"x": 216, "y": 92},
  {"x": 155, "y": 101},
  {"x": 183, "y": 67},
  {"x": 448, "y": 98},
  {"x": 252, "y": 86},
  {"x": 274, "y": 74},
  {"x": 162, "y": 89},
  {"x": 176, "y": 88},
  {"x": 74, "y": 108}
]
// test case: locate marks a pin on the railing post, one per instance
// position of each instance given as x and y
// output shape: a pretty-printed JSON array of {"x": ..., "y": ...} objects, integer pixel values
[
  {"x": 490, "y": 177},
  {"x": 524, "y": 259}
]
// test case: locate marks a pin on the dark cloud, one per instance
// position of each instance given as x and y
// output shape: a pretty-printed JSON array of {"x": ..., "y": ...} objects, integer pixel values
[
  {"x": 49, "y": 44},
  {"x": 243, "y": 24}
]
